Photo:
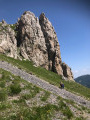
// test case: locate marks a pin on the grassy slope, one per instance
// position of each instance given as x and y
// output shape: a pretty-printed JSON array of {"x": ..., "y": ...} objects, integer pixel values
[
  {"x": 16, "y": 94},
  {"x": 48, "y": 76}
]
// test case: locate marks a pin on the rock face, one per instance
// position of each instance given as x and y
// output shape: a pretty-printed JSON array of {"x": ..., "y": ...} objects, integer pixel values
[
  {"x": 8, "y": 42},
  {"x": 36, "y": 41},
  {"x": 67, "y": 71},
  {"x": 32, "y": 42},
  {"x": 53, "y": 49}
]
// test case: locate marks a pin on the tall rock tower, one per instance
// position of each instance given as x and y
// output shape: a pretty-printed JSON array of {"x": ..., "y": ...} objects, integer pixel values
[
  {"x": 53, "y": 49},
  {"x": 36, "y": 41},
  {"x": 31, "y": 40}
]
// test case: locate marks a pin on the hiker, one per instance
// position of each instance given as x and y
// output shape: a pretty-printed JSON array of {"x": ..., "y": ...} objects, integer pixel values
[{"x": 61, "y": 85}]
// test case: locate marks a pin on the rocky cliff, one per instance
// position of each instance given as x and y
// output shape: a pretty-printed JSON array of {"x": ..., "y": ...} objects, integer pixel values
[
  {"x": 36, "y": 40},
  {"x": 8, "y": 42},
  {"x": 53, "y": 49},
  {"x": 31, "y": 40}
]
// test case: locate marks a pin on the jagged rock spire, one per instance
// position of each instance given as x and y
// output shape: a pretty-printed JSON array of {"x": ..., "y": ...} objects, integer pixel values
[
  {"x": 52, "y": 44},
  {"x": 37, "y": 41},
  {"x": 32, "y": 45}
]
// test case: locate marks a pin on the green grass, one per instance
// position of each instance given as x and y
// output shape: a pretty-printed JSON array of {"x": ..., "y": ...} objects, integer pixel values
[
  {"x": 45, "y": 96},
  {"x": 65, "y": 109},
  {"x": 38, "y": 113},
  {"x": 2, "y": 84},
  {"x": 3, "y": 94},
  {"x": 80, "y": 118},
  {"x": 33, "y": 90},
  {"x": 13, "y": 87},
  {"x": 18, "y": 109},
  {"x": 13, "y": 26},
  {"x": 49, "y": 76},
  {"x": 4, "y": 106}
]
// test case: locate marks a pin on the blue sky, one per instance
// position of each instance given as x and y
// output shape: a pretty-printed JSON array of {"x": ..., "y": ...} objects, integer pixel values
[{"x": 71, "y": 20}]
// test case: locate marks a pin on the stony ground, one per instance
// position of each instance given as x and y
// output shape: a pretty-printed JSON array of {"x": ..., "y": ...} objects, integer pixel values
[{"x": 43, "y": 84}]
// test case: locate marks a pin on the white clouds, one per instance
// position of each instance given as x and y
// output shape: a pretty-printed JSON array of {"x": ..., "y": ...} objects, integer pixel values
[{"x": 83, "y": 71}]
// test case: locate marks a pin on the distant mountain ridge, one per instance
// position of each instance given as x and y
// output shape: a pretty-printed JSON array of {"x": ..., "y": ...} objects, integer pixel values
[{"x": 83, "y": 80}]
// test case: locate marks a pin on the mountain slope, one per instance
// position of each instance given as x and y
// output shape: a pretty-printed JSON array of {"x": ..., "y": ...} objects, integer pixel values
[
  {"x": 35, "y": 40},
  {"x": 46, "y": 75},
  {"x": 83, "y": 80},
  {"x": 21, "y": 100}
]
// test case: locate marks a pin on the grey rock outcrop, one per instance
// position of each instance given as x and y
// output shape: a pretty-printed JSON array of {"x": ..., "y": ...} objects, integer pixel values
[
  {"x": 36, "y": 40},
  {"x": 54, "y": 57},
  {"x": 67, "y": 73},
  {"x": 32, "y": 42},
  {"x": 8, "y": 42}
]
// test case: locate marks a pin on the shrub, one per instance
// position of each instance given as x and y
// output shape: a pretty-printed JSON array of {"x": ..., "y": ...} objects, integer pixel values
[
  {"x": 67, "y": 112},
  {"x": 2, "y": 84},
  {"x": 15, "y": 89},
  {"x": 27, "y": 96},
  {"x": 4, "y": 106},
  {"x": 37, "y": 113},
  {"x": 3, "y": 95}
]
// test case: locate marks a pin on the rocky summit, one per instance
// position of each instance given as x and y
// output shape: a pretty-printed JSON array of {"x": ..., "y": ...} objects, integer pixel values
[{"x": 36, "y": 40}]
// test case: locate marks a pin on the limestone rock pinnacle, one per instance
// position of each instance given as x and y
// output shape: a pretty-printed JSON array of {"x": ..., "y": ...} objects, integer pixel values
[
  {"x": 36, "y": 40},
  {"x": 54, "y": 57},
  {"x": 32, "y": 41},
  {"x": 8, "y": 42}
]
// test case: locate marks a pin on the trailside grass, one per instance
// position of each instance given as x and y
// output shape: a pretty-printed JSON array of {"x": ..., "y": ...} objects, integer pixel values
[
  {"x": 49, "y": 76},
  {"x": 16, "y": 95}
]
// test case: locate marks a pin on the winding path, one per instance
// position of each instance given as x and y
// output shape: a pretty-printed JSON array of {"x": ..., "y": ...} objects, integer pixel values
[{"x": 43, "y": 84}]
